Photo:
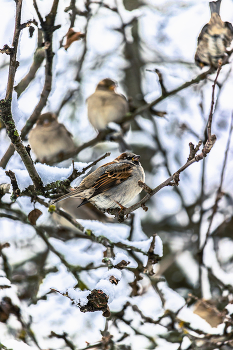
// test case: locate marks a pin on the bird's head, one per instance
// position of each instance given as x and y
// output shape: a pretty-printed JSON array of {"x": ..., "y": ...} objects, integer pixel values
[
  {"x": 129, "y": 156},
  {"x": 46, "y": 119},
  {"x": 107, "y": 84}
]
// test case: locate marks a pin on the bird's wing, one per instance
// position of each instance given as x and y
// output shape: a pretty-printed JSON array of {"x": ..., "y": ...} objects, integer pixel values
[
  {"x": 113, "y": 176},
  {"x": 122, "y": 96},
  {"x": 229, "y": 26},
  {"x": 203, "y": 31},
  {"x": 62, "y": 127}
]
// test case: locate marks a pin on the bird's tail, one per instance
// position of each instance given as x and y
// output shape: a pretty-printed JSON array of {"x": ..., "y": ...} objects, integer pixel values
[
  {"x": 215, "y": 6},
  {"x": 67, "y": 195}
]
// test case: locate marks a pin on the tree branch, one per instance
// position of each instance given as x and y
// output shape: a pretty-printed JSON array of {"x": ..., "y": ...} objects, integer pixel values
[
  {"x": 212, "y": 102},
  {"x": 48, "y": 28},
  {"x": 196, "y": 158},
  {"x": 39, "y": 57},
  {"x": 5, "y": 105},
  {"x": 219, "y": 191},
  {"x": 13, "y": 62}
]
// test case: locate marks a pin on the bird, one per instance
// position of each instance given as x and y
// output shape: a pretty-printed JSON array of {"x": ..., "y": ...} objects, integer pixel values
[
  {"x": 214, "y": 39},
  {"x": 111, "y": 185},
  {"x": 105, "y": 105},
  {"x": 49, "y": 138}
]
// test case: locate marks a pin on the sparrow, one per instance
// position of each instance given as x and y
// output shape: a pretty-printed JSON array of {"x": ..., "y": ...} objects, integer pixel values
[
  {"x": 214, "y": 38},
  {"x": 49, "y": 138},
  {"x": 112, "y": 185},
  {"x": 105, "y": 105}
]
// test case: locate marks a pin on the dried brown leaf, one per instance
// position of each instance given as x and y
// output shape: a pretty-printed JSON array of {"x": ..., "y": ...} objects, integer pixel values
[
  {"x": 72, "y": 36},
  {"x": 34, "y": 215},
  {"x": 121, "y": 265}
]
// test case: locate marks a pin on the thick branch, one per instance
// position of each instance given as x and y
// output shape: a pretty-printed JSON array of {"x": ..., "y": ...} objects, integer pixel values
[
  {"x": 55, "y": 187},
  {"x": 5, "y": 106},
  {"x": 13, "y": 63},
  {"x": 5, "y": 113},
  {"x": 48, "y": 29}
]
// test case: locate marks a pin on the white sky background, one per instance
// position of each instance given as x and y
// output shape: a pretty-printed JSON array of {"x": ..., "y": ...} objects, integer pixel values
[{"x": 169, "y": 30}]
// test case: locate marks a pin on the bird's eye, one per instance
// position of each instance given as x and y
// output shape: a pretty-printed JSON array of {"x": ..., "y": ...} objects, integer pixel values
[{"x": 129, "y": 158}]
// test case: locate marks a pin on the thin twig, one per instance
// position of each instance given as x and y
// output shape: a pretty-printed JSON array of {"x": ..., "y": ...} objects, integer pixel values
[
  {"x": 207, "y": 148},
  {"x": 64, "y": 337},
  {"x": 102, "y": 135},
  {"x": 76, "y": 173},
  {"x": 38, "y": 59},
  {"x": 160, "y": 76},
  {"x": 219, "y": 191},
  {"x": 212, "y": 103},
  {"x": 162, "y": 185}
]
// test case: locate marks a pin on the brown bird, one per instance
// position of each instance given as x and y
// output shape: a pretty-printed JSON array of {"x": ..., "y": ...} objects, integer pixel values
[
  {"x": 105, "y": 105},
  {"x": 49, "y": 138},
  {"x": 112, "y": 185},
  {"x": 214, "y": 39}
]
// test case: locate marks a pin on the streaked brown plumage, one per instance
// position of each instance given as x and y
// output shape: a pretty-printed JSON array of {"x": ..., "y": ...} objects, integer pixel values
[
  {"x": 49, "y": 138},
  {"x": 214, "y": 39},
  {"x": 111, "y": 185}
]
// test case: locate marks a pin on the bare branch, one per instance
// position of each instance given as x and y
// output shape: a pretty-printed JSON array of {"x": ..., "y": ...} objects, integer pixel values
[
  {"x": 39, "y": 57},
  {"x": 102, "y": 135},
  {"x": 14, "y": 183},
  {"x": 48, "y": 29},
  {"x": 212, "y": 102},
  {"x": 13, "y": 62},
  {"x": 64, "y": 337},
  {"x": 5, "y": 106},
  {"x": 194, "y": 150},
  {"x": 219, "y": 193},
  {"x": 160, "y": 76}
]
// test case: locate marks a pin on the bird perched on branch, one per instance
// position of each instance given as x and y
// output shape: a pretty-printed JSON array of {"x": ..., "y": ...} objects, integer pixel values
[
  {"x": 214, "y": 38},
  {"x": 112, "y": 185},
  {"x": 49, "y": 138},
  {"x": 105, "y": 106}
]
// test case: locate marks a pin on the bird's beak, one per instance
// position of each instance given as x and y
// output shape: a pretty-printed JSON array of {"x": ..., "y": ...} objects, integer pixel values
[
  {"x": 201, "y": 65},
  {"x": 136, "y": 158},
  {"x": 46, "y": 122},
  {"x": 112, "y": 87}
]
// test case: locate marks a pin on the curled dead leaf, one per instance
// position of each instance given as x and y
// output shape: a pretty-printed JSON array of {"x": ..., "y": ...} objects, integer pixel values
[
  {"x": 34, "y": 215},
  {"x": 72, "y": 36},
  {"x": 121, "y": 265}
]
